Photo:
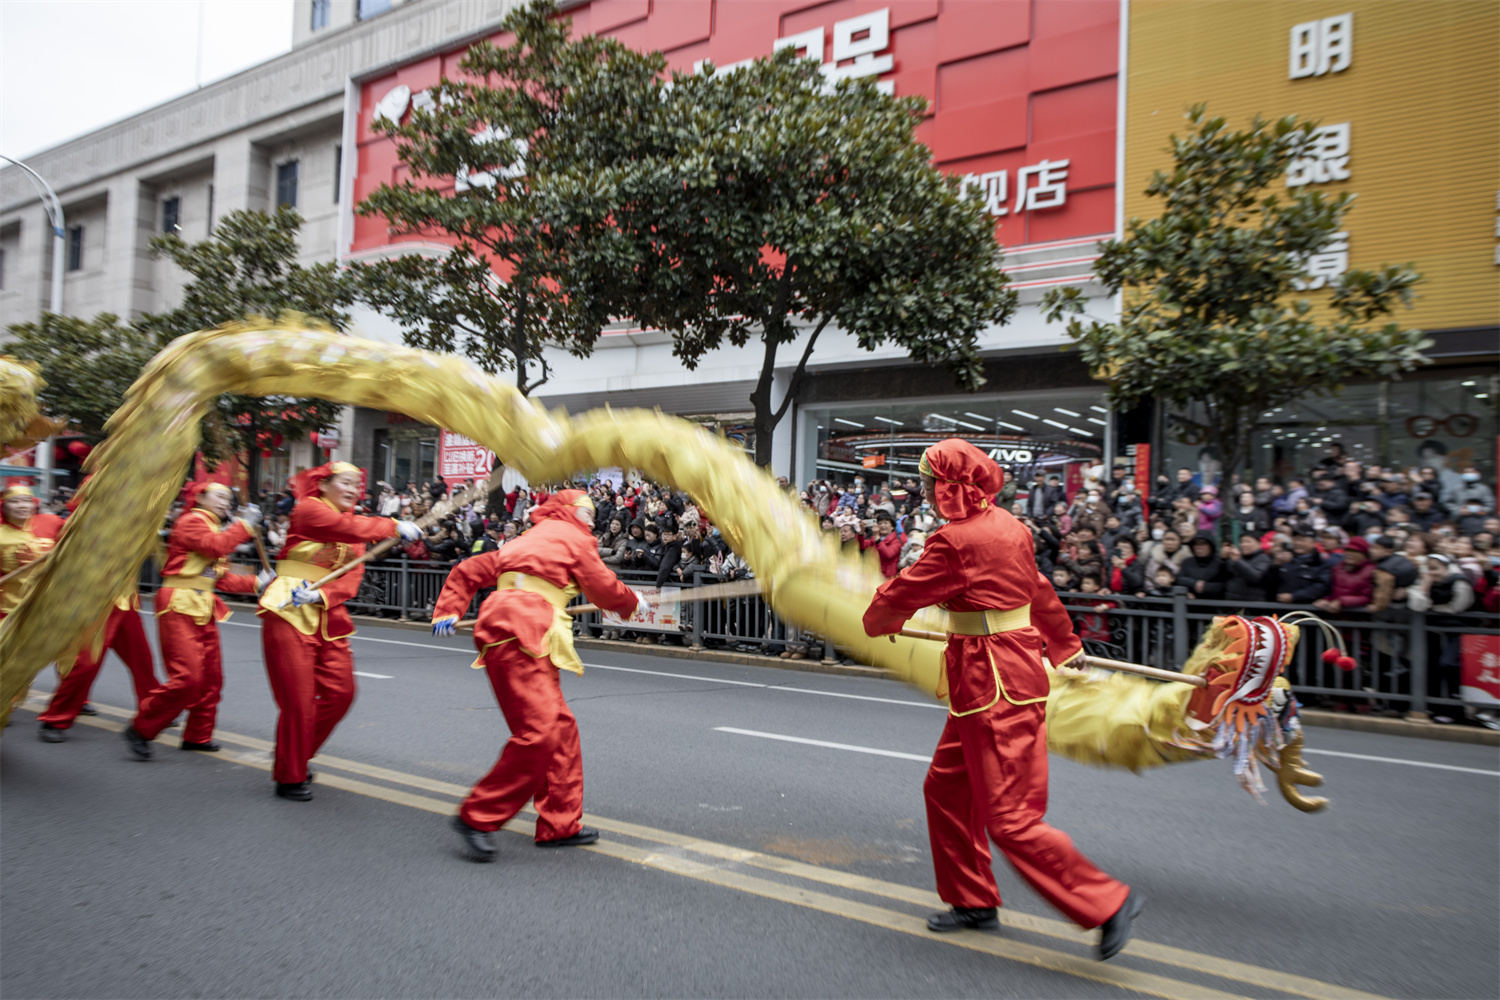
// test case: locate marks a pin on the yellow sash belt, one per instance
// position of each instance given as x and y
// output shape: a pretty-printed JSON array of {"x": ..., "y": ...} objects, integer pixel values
[
  {"x": 560, "y": 636},
  {"x": 191, "y": 595},
  {"x": 989, "y": 621},
  {"x": 289, "y": 574}
]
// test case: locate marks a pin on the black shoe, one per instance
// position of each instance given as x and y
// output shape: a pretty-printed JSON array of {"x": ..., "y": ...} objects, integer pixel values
[
  {"x": 585, "y": 835},
  {"x": 51, "y": 734},
  {"x": 961, "y": 918},
  {"x": 139, "y": 745},
  {"x": 297, "y": 791},
  {"x": 207, "y": 746},
  {"x": 479, "y": 845},
  {"x": 1116, "y": 930},
  {"x": 88, "y": 709}
]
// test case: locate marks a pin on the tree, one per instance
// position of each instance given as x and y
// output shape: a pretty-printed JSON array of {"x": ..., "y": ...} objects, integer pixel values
[
  {"x": 87, "y": 364},
  {"x": 1211, "y": 313},
  {"x": 496, "y": 297},
  {"x": 763, "y": 204},
  {"x": 249, "y": 268}
]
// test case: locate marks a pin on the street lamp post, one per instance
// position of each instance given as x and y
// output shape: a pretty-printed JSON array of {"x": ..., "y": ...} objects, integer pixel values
[{"x": 54, "y": 209}]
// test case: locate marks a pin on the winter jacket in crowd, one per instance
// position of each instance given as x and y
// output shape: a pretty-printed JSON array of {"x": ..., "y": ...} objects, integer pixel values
[
  {"x": 1354, "y": 589},
  {"x": 1250, "y": 578},
  {"x": 1306, "y": 578},
  {"x": 612, "y": 547},
  {"x": 1208, "y": 570}
]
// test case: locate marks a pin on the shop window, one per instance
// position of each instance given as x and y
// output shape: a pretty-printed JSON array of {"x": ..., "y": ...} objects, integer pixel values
[
  {"x": 171, "y": 211},
  {"x": 370, "y": 8},
  {"x": 286, "y": 184},
  {"x": 320, "y": 14},
  {"x": 75, "y": 248}
]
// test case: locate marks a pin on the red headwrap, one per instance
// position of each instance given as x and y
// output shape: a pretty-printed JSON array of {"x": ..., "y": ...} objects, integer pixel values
[
  {"x": 192, "y": 491},
  {"x": 560, "y": 506},
  {"x": 307, "y": 482},
  {"x": 967, "y": 478}
]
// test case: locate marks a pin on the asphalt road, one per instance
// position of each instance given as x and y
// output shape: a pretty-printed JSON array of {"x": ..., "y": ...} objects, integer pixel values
[{"x": 732, "y": 864}]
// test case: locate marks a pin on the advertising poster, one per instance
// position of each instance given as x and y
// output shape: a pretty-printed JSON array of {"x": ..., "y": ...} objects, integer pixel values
[
  {"x": 1479, "y": 681},
  {"x": 664, "y": 617},
  {"x": 461, "y": 458}
]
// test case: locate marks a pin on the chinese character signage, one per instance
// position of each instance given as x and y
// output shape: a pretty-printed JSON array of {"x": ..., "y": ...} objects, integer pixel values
[
  {"x": 460, "y": 458},
  {"x": 666, "y": 616},
  {"x": 1327, "y": 158},
  {"x": 1322, "y": 47},
  {"x": 1480, "y": 678}
]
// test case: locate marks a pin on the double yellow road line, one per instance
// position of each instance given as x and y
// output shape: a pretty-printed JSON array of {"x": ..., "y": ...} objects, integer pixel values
[{"x": 733, "y": 868}]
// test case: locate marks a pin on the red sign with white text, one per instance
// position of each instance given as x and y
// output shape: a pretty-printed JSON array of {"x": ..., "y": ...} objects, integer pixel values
[
  {"x": 461, "y": 458},
  {"x": 1479, "y": 681},
  {"x": 1021, "y": 96}
]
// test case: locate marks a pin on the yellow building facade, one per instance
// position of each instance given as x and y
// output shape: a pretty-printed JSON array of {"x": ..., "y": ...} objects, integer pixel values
[{"x": 1407, "y": 97}]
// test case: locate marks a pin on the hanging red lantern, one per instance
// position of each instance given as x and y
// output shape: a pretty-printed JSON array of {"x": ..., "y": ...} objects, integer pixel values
[
  {"x": 277, "y": 441},
  {"x": 79, "y": 448},
  {"x": 265, "y": 454}
]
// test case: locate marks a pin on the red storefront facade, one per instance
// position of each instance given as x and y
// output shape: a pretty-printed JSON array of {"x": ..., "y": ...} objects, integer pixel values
[{"x": 1022, "y": 96}]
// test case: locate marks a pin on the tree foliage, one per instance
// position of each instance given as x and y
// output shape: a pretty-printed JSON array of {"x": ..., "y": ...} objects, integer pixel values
[
  {"x": 497, "y": 297},
  {"x": 87, "y": 364},
  {"x": 249, "y": 268},
  {"x": 761, "y": 205},
  {"x": 1212, "y": 312}
]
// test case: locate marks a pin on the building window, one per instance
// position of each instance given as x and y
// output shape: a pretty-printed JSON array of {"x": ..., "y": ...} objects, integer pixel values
[
  {"x": 2, "y": 270},
  {"x": 286, "y": 185},
  {"x": 319, "y": 14},
  {"x": 75, "y": 248},
  {"x": 370, "y": 8},
  {"x": 338, "y": 171},
  {"x": 210, "y": 210},
  {"x": 171, "y": 215}
]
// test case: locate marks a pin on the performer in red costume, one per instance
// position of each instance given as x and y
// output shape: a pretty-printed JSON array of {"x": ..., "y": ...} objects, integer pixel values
[
  {"x": 187, "y": 615},
  {"x": 989, "y": 772},
  {"x": 124, "y": 633},
  {"x": 524, "y": 637},
  {"x": 25, "y": 537},
  {"x": 307, "y": 643}
]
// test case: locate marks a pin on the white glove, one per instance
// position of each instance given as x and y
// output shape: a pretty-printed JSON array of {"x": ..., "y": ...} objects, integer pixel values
[
  {"x": 444, "y": 626},
  {"x": 408, "y": 531},
  {"x": 262, "y": 581},
  {"x": 251, "y": 516},
  {"x": 643, "y": 605},
  {"x": 306, "y": 595}
]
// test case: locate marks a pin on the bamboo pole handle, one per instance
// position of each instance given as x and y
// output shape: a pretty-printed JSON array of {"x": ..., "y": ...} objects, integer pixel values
[
  {"x": 439, "y": 510},
  {"x": 713, "y": 592},
  {"x": 1155, "y": 673}
]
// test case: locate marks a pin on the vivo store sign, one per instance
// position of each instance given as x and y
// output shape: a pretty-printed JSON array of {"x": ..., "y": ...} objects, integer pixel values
[{"x": 1019, "y": 455}]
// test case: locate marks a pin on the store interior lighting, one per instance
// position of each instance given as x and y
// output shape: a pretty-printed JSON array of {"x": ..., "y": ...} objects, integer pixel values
[
  {"x": 849, "y": 423},
  {"x": 888, "y": 420},
  {"x": 1023, "y": 413},
  {"x": 1096, "y": 420},
  {"x": 1013, "y": 427},
  {"x": 1068, "y": 413},
  {"x": 1098, "y": 409},
  {"x": 1054, "y": 423},
  {"x": 980, "y": 416}
]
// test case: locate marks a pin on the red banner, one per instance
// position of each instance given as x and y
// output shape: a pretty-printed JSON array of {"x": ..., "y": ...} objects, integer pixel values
[
  {"x": 1480, "y": 677},
  {"x": 1143, "y": 471}
]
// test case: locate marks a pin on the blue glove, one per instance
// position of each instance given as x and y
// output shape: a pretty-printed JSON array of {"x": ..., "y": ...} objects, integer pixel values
[
  {"x": 262, "y": 581},
  {"x": 444, "y": 626},
  {"x": 306, "y": 595},
  {"x": 408, "y": 531}
]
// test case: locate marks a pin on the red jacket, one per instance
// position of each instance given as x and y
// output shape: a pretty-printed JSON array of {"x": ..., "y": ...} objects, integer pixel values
[
  {"x": 983, "y": 561},
  {"x": 889, "y": 549},
  {"x": 560, "y": 552},
  {"x": 1353, "y": 588},
  {"x": 200, "y": 547}
]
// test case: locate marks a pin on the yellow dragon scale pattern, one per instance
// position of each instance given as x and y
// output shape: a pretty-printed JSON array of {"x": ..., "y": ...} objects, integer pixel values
[{"x": 807, "y": 579}]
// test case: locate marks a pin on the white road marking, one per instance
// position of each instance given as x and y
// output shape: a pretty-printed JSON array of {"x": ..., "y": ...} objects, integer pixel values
[
  {"x": 1398, "y": 760},
  {"x": 853, "y": 697},
  {"x": 378, "y": 677},
  {"x": 824, "y": 743}
]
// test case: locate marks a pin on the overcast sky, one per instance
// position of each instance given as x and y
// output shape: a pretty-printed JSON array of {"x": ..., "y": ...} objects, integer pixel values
[{"x": 70, "y": 66}]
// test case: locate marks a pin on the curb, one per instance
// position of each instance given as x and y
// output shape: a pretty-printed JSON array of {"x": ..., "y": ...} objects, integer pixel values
[
  {"x": 1318, "y": 717},
  {"x": 1400, "y": 727}
]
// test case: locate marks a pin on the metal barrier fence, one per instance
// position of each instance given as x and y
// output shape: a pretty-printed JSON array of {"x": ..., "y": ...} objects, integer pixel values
[{"x": 1404, "y": 659}]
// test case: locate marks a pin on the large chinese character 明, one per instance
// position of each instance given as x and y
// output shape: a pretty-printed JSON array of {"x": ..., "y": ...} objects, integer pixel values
[
  {"x": 1321, "y": 47},
  {"x": 1326, "y": 159},
  {"x": 1042, "y": 186}
]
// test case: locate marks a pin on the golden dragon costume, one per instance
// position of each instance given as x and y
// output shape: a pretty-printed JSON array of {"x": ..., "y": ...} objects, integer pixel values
[{"x": 1109, "y": 719}]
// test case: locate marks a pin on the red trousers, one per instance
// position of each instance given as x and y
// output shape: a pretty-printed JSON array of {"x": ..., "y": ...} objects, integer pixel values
[
  {"x": 542, "y": 759},
  {"x": 989, "y": 777},
  {"x": 312, "y": 680},
  {"x": 124, "y": 634},
  {"x": 195, "y": 678}
]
